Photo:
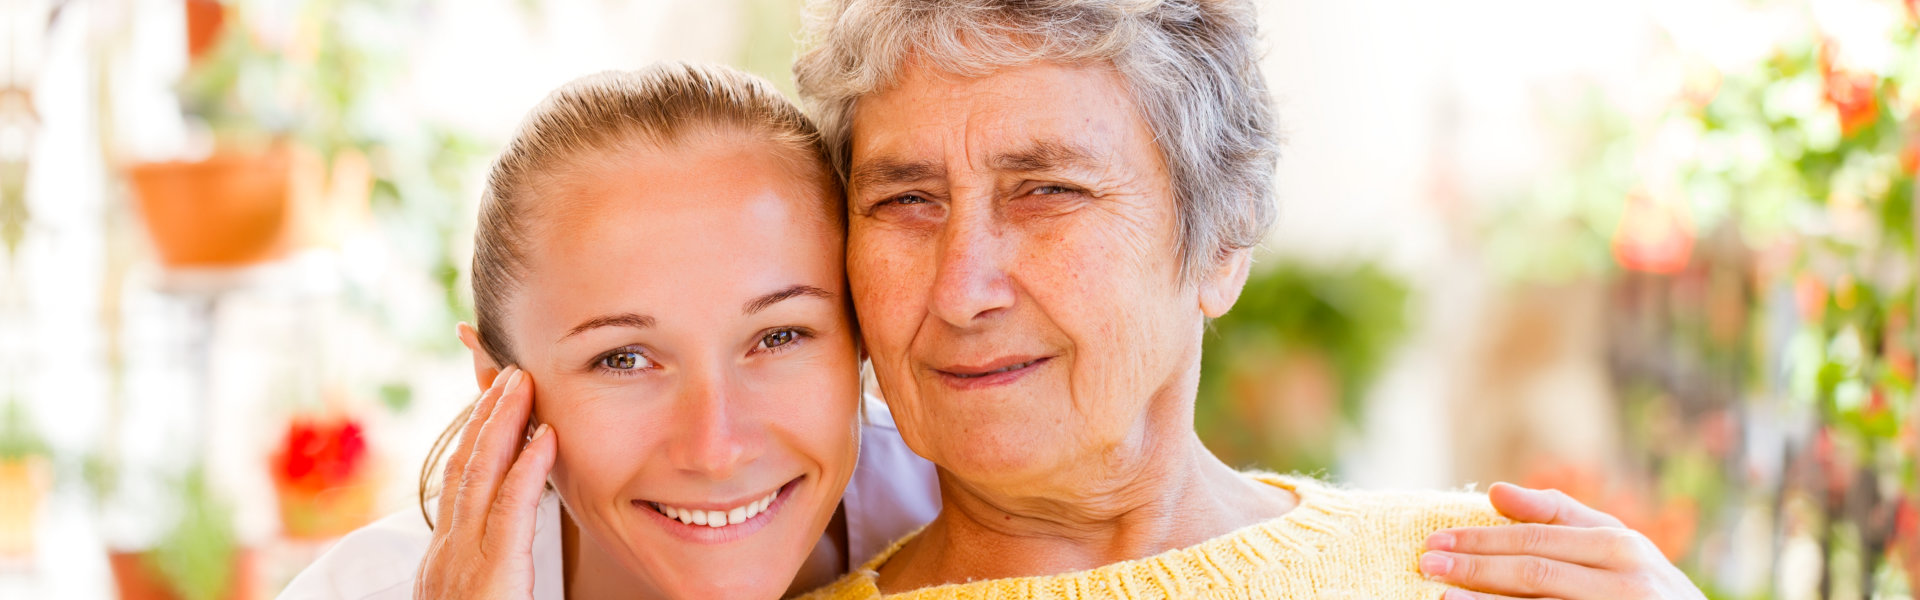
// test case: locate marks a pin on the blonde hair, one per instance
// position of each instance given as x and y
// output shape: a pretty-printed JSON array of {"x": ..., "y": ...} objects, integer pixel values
[
  {"x": 654, "y": 107},
  {"x": 1191, "y": 67}
]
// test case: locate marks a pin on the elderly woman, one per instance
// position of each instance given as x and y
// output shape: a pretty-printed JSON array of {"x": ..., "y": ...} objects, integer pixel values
[{"x": 1047, "y": 200}]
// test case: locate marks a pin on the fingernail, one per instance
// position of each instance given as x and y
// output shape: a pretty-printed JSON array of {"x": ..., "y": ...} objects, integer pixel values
[
  {"x": 1440, "y": 541},
  {"x": 539, "y": 431},
  {"x": 513, "y": 382},
  {"x": 1436, "y": 564}
]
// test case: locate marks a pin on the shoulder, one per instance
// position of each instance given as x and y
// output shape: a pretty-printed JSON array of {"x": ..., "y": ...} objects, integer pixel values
[
  {"x": 381, "y": 560},
  {"x": 858, "y": 585},
  {"x": 374, "y": 562},
  {"x": 1394, "y": 509}
]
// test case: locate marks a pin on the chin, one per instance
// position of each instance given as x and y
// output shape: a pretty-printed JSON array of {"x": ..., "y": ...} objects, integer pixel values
[{"x": 743, "y": 586}]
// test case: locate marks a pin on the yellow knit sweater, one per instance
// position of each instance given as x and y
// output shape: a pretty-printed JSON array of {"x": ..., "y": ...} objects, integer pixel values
[{"x": 1335, "y": 544}]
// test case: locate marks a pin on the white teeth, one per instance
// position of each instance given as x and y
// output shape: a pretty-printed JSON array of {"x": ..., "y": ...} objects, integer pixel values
[{"x": 718, "y": 518}]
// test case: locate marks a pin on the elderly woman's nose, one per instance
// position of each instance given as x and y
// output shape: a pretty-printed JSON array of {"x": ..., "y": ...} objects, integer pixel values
[
  {"x": 970, "y": 279},
  {"x": 711, "y": 438}
]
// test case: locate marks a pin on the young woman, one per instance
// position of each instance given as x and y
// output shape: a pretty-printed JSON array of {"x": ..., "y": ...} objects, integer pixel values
[{"x": 661, "y": 251}]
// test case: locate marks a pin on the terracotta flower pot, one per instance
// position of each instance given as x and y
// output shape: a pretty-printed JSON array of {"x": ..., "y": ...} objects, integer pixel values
[
  {"x": 136, "y": 579},
  {"x": 229, "y": 210},
  {"x": 26, "y": 481},
  {"x": 326, "y": 514},
  {"x": 204, "y": 21},
  {"x": 240, "y": 208}
]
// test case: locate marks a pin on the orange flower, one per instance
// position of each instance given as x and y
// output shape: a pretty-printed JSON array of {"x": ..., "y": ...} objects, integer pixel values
[
  {"x": 1653, "y": 237},
  {"x": 1850, "y": 92}
]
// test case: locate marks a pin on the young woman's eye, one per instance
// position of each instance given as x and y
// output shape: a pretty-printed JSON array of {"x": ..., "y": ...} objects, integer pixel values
[
  {"x": 625, "y": 360},
  {"x": 780, "y": 338}
]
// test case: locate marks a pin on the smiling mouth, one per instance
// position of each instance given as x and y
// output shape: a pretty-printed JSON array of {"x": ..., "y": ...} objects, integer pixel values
[
  {"x": 720, "y": 518},
  {"x": 1005, "y": 369}
]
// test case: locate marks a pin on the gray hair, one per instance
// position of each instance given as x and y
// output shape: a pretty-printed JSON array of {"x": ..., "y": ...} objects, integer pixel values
[{"x": 1191, "y": 67}]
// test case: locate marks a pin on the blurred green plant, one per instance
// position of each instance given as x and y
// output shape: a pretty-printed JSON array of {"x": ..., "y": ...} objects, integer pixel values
[
  {"x": 18, "y": 438},
  {"x": 198, "y": 555},
  {"x": 1289, "y": 367}
]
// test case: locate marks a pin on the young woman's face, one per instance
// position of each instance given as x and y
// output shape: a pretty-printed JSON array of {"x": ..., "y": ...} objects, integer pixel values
[{"x": 683, "y": 317}]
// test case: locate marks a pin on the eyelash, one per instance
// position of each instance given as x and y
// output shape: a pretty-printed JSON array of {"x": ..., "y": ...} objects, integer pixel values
[
  {"x": 600, "y": 362},
  {"x": 901, "y": 199},
  {"x": 798, "y": 335}
]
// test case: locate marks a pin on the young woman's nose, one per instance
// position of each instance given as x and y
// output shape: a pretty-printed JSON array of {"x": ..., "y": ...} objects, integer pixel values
[{"x": 714, "y": 436}]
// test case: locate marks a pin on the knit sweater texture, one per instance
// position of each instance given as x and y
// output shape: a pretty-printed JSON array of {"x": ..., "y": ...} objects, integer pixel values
[{"x": 1334, "y": 544}]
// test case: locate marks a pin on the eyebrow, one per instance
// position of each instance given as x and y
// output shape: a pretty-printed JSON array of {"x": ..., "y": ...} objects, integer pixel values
[
  {"x": 635, "y": 321},
  {"x": 886, "y": 171},
  {"x": 1043, "y": 155},
  {"x": 759, "y": 304}
]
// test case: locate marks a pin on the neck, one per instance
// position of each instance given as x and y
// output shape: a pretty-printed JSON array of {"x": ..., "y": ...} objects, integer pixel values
[
  {"x": 1177, "y": 496},
  {"x": 591, "y": 574}
]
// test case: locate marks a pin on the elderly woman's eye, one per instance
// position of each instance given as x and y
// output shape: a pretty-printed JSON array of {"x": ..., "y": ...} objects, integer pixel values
[
  {"x": 908, "y": 199},
  {"x": 1049, "y": 190}
]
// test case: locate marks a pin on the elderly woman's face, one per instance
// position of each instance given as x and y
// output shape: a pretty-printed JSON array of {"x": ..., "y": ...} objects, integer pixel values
[
  {"x": 1012, "y": 255},
  {"x": 683, "y": 320}
]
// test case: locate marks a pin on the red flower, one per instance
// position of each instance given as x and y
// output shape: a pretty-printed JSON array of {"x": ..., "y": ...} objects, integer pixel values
[{"x": 317, "y": 456}]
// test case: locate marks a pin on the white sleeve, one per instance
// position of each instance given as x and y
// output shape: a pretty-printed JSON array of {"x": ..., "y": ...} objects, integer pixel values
[{"x": 376, "y": 562}]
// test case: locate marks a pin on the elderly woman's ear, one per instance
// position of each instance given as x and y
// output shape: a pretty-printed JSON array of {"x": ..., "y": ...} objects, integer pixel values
[
  {"x": 1220, "y": 287},
  {"x": 484, "y": 369}
]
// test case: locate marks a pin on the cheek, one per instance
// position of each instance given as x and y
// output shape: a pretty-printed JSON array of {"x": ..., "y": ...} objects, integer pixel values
[
  {"x": 598, "y": 452},
  {"x": 890, "y": 278}
]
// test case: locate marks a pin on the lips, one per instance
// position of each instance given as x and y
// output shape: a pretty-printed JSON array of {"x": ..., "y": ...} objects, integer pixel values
[
  {"x": 1003, "y": 365},
  {"x": 998, "y": 372},
  {"x": 979, "y": 374}
]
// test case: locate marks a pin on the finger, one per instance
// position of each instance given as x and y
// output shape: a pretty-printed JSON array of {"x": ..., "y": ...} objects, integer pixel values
[
  {"x": 510, "y": 523},
  {"x": 1460, "y": 594},
  {"x": 1552, "y": 507},
  {"x": 450, "y": 479},
  {"x": 1600, "y": 547},
  {"x": 494, "y": 448},
  {"x": 1523, "y": 576}
]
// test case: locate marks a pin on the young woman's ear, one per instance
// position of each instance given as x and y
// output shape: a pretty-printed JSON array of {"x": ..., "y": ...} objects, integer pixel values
[
  {"x": 1220, "y": 287},
  {"x": 484, "y": 369}
]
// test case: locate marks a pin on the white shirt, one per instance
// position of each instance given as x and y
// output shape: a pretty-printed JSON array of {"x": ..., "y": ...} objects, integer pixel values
[{"x": 892, "y": 493}]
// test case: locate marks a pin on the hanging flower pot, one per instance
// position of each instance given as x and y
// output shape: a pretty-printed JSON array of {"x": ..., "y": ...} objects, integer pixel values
[
  {"x": 238, "y": 208},
  {"x": 231, "y": 209},
  {"x": 204, "y": 21}
]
